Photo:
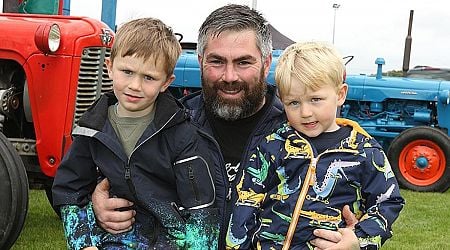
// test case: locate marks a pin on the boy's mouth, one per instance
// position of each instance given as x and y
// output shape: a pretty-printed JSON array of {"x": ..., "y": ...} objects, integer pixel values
[{"x": 309, "y": 124}]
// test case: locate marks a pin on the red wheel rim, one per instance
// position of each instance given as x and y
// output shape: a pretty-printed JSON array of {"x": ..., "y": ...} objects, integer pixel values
[{"x": 422, "y": 162}]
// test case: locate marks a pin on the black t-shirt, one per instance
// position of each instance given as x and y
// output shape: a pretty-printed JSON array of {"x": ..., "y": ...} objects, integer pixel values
[
  {"x": 329, "y": 139},
  {"x": 232, "y": 137}
]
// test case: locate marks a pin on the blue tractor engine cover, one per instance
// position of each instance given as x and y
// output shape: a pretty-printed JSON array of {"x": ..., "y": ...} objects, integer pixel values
[{"x": 409, "y": 117}]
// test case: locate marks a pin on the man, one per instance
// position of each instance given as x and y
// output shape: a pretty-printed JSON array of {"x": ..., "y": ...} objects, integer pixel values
[{"x": 236, "y": 107}]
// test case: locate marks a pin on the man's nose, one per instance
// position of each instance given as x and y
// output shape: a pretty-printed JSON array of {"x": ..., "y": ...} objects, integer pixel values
[{"x": 230, "y": 74}]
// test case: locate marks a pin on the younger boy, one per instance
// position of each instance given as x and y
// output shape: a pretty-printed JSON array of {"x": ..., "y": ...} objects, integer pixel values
[
  {"x": 347, "y": 165},
  {"x": 141, "y": 140}
]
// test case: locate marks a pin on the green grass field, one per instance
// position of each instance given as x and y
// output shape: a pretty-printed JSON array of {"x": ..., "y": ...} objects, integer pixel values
[{"x": 423, "y": 224}]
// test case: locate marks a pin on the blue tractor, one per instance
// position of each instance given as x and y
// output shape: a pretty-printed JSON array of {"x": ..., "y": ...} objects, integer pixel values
[{"x": 409, "y": 117}]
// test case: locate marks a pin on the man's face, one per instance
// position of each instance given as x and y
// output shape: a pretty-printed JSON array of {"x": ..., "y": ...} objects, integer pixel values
[{"x": 233, "y": 75}]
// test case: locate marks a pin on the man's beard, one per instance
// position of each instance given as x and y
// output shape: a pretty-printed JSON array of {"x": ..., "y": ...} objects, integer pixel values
[{"x": 234, "y": 109}]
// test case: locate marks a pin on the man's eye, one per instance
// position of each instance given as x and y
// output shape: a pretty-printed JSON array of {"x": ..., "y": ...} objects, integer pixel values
[
  {"x": 127, "y": 72},
  {"x": 316, "y": 99},
  {"x": 294, "y": 103},
  {"x": 244, "y": 63},
  {"x": 215, "y": 62}
]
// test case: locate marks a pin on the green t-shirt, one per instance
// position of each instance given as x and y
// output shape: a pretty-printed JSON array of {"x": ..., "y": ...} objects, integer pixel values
[{"x": 129, "y": 129}]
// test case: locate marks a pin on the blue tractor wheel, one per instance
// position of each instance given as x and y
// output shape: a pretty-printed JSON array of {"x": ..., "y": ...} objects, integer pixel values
[{"x": 420, "y": 159}]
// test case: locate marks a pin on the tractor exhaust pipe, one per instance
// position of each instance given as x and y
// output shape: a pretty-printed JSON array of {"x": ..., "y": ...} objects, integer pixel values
[{"x": 407, "y": 53}]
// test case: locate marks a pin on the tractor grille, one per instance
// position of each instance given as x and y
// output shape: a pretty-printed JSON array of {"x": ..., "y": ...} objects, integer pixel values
[{"x": 93, "y": 79}]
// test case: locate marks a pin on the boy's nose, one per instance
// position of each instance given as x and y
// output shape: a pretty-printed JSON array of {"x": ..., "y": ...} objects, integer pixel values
[
  {"x": 305, "y": 111},
  {"x": 135, "y": 83}
]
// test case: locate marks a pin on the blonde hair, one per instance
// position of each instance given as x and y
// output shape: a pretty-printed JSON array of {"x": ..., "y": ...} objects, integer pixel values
[
  {"x": 313, "y": 64},
  {"x": 147, "y": 38}
]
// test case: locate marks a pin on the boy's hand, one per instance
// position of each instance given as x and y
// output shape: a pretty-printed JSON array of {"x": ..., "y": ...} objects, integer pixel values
[
  {"x": 107, "y": 212},
  {"x": 344, "y": 238}
]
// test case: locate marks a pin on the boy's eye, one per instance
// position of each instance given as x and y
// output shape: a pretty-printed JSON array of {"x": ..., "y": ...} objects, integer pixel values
[
  {"x": 317, "y": 99},
  {"x": 128, "y": 72},
  {"x": 149, "y": 78},
  {"x": 293, "y": 103}
]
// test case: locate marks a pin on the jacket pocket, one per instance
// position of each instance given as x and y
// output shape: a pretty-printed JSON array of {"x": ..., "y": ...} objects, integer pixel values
[{"x": 195, "y": 185}]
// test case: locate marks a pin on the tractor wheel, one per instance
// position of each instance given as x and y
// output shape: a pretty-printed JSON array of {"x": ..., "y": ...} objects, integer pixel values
[
  {"x": 13, "y": 195},
  {"x": 420, "y": 159}
]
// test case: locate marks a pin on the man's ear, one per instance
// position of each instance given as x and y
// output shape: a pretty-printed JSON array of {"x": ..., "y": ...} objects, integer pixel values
[
  {"x": 267, "y": 63},
  {"x": 169, "y": 80},
  {"x": 200, "y": 60},
  {"x": 342, "y": 94},
  {"x": 109, "y": 67}
]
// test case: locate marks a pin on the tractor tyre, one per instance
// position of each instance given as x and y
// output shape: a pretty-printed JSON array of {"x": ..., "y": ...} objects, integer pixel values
[
  {"x": 420, "y": 159},
  {"x": 13, "y": 194}
]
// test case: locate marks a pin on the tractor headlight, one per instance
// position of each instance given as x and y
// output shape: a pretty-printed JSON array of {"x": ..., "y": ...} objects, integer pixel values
[{"x": 48, "y": 38}]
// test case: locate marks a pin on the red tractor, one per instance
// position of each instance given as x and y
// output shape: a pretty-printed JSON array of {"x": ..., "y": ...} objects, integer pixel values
[{"x": 51, "y": 70}]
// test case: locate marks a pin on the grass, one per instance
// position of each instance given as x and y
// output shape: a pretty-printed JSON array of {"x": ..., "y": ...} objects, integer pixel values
[
  {"x": 423, "y": 224},
  {"x": 43, "y": 228}
]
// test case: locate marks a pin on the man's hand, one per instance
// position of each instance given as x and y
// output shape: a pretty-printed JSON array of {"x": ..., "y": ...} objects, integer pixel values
[
  {"x": 106, "y": 210},
  {"x": 343, "y": 239}
]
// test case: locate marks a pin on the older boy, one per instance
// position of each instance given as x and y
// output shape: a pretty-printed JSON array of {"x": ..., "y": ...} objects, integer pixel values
[
  {"x": 347, "y": 166},
  {"x": 141, "y": 140}
]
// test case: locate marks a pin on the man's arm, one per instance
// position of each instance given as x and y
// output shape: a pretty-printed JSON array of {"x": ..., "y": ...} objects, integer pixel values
[{"x": 106, "y": 210}]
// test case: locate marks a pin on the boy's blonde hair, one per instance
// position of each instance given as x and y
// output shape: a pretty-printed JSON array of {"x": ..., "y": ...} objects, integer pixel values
[
  {"x": 313, "y": 64},
  {"x": 147, "y": 38}
]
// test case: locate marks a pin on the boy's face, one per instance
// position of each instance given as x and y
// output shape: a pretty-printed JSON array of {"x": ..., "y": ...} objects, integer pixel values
[
  {"x": 233, "y": 74},
  {"x": 136, "y": 84},
  {"x": 313, "y": 112}
]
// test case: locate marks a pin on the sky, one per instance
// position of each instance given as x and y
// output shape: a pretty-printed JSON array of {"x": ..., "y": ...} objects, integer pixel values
[{"x": 364, "y": 29}]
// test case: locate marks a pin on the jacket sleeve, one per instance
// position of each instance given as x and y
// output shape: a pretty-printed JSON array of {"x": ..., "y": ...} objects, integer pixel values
[
  {"x": 76, "y": 177},
  {"x": 74, "y": 182},
  {"x": 251, "y": 191},
  {"x": 383, "y": 201},
  {"x": 194, "y": 170},
  {"x": 80, "y": 228}
]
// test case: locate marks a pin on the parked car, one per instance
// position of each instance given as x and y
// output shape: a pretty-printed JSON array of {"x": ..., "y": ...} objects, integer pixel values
[{"x": 428, "y": 72}]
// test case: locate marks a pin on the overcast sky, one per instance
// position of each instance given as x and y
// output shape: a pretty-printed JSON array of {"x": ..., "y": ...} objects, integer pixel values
[{"x": 364, "y": 29}]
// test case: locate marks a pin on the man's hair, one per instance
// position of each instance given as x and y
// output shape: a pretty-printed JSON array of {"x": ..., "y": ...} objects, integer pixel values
[
  {"x": 147, "y": 38},
  {"x": 313, "y": 64},
  {"x": 235, "y": 18}
]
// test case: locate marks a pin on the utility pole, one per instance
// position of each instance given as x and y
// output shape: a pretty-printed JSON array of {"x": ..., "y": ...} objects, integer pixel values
[
  {"x": 335, "y": 7},
  {"x": 254, "y": 3}
]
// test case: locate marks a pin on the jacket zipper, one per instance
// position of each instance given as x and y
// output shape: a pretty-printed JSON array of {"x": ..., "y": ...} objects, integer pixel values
[
  {"x": 156, "y": 231},
  {"x": 192, "y": 180}
]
